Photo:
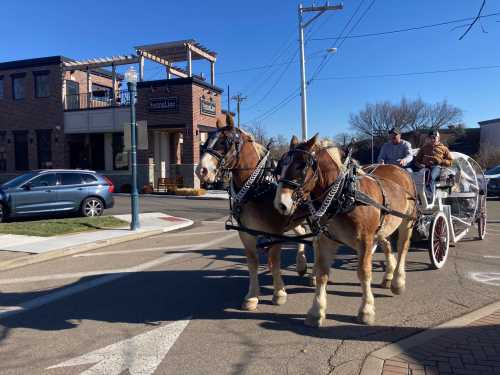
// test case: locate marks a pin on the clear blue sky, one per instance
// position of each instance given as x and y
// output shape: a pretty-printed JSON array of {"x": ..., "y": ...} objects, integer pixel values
[{"x": 256, "y": 33}]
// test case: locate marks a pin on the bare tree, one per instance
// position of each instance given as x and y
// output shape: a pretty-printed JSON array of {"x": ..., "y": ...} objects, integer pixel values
[{"x": 408, "y": 114}]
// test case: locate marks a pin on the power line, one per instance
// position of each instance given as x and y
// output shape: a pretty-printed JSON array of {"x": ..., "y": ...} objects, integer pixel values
[
  {"x": 415, "y": 28},
  {"x": 389, "y": 75},
  {"x": 475, "y": 20}
]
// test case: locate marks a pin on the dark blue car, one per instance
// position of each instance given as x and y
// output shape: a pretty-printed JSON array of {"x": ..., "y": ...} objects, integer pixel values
[
  {"x": 493, "y": 183},
  {"x": 56, "y": 191}
]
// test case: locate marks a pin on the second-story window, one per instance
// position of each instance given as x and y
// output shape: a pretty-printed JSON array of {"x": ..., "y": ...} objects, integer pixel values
[
  {"x": 42, "y": 88},
  {"x": 1, "y": 87},
  {"x": 18, "y": 91}
]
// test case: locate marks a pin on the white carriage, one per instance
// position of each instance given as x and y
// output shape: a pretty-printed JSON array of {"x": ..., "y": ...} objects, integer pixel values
[{"x": 457, "y": 204}]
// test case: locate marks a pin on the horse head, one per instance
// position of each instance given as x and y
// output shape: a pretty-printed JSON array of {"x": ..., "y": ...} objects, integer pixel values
[
  {"x": 221, "y": 151},
  {"x": 300, "y": 174}
]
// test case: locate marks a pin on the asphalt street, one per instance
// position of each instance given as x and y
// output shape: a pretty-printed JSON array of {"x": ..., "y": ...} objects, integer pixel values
[
  {"x": 194, "y": 209},
  {"x": 170, "y": 305}
]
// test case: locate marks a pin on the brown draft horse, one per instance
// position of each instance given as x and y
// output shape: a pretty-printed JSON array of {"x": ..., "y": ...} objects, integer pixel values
[
  {"x": 235, "y": 150},
  {"x": 310, "y": 171}
]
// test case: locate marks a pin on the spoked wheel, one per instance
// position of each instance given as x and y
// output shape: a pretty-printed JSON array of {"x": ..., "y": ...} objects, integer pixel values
[
  {"x": 481, "y": 220},
  {"x": 439, "y": 240},
  {"x": 92, "y": 207}
]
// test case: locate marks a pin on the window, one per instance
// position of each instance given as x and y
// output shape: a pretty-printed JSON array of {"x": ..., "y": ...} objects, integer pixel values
[
  {"x": 1, "y": 87},
  {"x": 18, "y": 91},
  {"x": 101, "y": 93},
  {"x": 21, "y": 150},
  {"x": 120, "y": 157},
  {"x": 3, "y": 150},
  {"x": 72, "y": 95},
  {"x": 44, "y": 147},
  {"x": 44, "y": 180},
  {"x": 42, "y": 89},
  {"x": 89, "y": 179},
  {"x": 71, "y": 179}
]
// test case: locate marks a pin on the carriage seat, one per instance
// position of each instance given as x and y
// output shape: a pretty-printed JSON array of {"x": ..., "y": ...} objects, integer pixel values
[{"x": 447, "y": 178}]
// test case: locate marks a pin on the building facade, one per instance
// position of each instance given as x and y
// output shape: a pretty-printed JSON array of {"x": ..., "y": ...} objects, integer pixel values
[{"x": 56, "y": 112}]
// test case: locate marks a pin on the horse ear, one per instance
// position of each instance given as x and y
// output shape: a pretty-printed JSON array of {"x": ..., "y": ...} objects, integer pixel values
[
  {"x": 294, "y": 142},
  {"x": 313, "y": 141},
  {"x": 218, "y": 123},
  {"x": 229, "y": 120}
]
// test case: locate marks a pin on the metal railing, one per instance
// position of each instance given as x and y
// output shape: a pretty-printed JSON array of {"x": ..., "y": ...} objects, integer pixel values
[{"x": 97, "y": 100}]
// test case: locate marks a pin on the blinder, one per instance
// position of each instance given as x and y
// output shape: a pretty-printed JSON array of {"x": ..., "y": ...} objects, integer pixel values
[
  {"x": 310, "y": 162},
  {"x": 219, "y": 149}
]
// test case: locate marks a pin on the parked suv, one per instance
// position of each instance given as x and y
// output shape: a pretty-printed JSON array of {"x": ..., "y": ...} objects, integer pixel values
[{"x": 56, "y": 191}]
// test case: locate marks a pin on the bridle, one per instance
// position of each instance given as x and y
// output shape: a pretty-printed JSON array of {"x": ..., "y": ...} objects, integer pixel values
[
  {"x": 299, "y": 196},
  {"x": 229, "y": 142}
]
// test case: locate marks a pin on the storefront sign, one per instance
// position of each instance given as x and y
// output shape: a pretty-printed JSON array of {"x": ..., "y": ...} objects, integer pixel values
[
  {"x": 207, "y": 107},
  {"x": 164, "y": 104}
]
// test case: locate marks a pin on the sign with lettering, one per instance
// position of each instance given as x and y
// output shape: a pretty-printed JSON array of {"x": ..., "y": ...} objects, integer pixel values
[
  {"x": 164, "y": 104},
  {"x": 207, "y": 107}
]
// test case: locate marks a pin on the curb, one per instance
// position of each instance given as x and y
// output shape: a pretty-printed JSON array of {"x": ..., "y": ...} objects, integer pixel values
[
  {"x": 59, "y": 253},
  {"x": 166, "y": 196},
  {"x": 374, "y": 362}
]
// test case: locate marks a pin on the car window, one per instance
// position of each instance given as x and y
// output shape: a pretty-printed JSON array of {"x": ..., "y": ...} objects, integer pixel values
[
  {"x": 44, "y": 180},
  {"x": 495, "y": 170},
  {"x": 88, "y": 178},
  {"x": 71, "y": 179},
  {"x": 18, "y": 181}
]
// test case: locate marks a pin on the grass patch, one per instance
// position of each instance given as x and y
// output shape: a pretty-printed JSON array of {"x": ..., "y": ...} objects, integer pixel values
[{"x": 57, "y": 227}]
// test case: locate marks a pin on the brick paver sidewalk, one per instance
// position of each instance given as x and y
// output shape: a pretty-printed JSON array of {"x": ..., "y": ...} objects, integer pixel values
[{"x": 472, "y": 349}]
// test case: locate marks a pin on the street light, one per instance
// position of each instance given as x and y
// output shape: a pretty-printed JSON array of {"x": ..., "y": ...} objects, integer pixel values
[{"x": 131, "y": 77}]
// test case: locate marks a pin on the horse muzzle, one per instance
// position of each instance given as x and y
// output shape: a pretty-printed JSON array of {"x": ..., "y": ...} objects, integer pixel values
[{"x": 283, "y": 201}]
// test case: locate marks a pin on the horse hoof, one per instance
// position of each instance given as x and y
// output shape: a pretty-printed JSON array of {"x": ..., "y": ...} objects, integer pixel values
[
  {"x": 397, "y": 289},
  {"x": 279, "y": 299},
  {"x": 302, "y": 272},
  {"x": 312, "y": 281},
  {"x": 250, "y": 304},
  {"x": 365, "y": 318},
  {"x": 386, "y": 284},
  {"x": 314, "y": 321}
]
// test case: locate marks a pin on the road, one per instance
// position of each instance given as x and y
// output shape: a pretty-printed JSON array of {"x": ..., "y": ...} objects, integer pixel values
[
  {"x": 193, "y": 209},
  {"x": 171, "y": 302}
]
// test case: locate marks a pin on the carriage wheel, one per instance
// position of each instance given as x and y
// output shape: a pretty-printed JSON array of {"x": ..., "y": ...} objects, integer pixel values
[
  {"x": 481, "y": 220},
  {"x": 439, "y": 240}
]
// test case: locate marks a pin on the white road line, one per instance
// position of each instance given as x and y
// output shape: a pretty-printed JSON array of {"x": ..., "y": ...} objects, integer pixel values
[
  {"x": 145, "y": 250},
  {"x": 116, "y": 274},
  {"x": 212, "y": 222},
  {"x": 492, "y": 256}
]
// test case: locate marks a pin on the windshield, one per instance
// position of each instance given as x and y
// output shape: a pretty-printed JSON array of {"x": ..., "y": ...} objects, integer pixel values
[
  {"x": 19, "y": 180},
  {"x": 495, "y": 170}
]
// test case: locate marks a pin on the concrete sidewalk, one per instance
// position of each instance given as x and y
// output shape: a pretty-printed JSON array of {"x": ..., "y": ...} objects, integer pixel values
[
  {"x": 467, "y": 345},
  {"x": 45, "y": 248}
]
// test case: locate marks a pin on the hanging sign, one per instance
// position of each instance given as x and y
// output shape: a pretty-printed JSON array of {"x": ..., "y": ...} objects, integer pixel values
[{"x": 207, "y": 107}]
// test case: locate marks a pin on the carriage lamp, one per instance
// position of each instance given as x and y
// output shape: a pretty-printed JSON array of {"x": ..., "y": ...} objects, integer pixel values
[{"x": 131, "y": 77}]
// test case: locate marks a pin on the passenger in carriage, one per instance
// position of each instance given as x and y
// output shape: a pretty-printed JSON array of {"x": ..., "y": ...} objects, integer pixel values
[
  {"x": 396, "y": 151},
  {"x": 433, "y": 155}
]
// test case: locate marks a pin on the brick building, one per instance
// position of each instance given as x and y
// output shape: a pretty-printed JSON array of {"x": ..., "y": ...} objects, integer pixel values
[{"x": 56, "y": 112}]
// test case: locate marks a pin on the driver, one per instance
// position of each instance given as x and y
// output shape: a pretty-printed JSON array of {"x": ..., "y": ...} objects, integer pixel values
[
  {"x": 433, "y": 155},
  {"x": 397, "y": 151}
]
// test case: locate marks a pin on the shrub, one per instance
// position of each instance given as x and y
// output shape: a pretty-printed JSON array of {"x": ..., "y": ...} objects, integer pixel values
[
  {"x": 190, "y": 192},
  {"x": 488, "y": 157}
]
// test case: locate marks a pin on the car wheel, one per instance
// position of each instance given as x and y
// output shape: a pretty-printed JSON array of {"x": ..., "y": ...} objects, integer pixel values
[{"x": 92, "y": 207}]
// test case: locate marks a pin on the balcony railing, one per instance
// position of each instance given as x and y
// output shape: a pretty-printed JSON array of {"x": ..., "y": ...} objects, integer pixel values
[{"x": 97, "y": 100}]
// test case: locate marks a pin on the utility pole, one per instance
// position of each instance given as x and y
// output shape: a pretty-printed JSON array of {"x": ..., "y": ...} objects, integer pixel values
[
  {"x": 302, "y": 25},
  {"x": 238, "y": 99}
]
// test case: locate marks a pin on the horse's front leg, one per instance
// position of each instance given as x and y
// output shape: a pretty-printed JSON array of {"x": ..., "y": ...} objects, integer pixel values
[
  {"x": 301, "y": 260},
  {"x": 366, "y": 312},
  {"x": 405, "y": 230},
  {"x": 323, "y": 253},
  {"x": 252, "y": 298},
  {"x": 274, "y": 261}
]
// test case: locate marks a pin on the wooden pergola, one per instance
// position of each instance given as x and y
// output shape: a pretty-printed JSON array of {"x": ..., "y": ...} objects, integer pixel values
[{"x": 162, "y": 53}]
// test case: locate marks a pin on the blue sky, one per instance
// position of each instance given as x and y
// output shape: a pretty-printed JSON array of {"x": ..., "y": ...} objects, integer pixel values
[{"x": 256, "y": 33}]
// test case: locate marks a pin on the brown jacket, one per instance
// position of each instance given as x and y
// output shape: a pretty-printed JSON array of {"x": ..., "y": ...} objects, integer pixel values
[{"x": 430, "y": 155}]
